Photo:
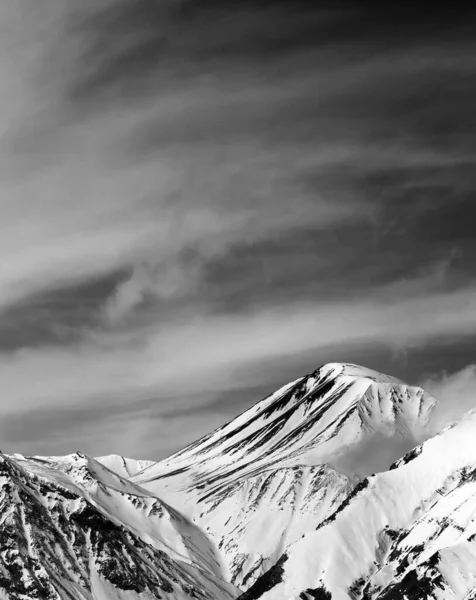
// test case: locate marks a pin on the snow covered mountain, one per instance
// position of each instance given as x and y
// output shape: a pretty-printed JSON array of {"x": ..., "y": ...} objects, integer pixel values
[
  {"x": 72, "y": 529},
  {"x": 407, "y": 533},
  {"x": 295, "y": 499},
  {"x": 259, "y": 483},
  {"x": 315, "y": 420}
]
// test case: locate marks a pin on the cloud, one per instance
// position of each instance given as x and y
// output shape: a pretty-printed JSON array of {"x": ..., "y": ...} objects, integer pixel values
[
  {"x": 374, "y": 454},
  {"x": 95, "y": 204},
  {"x": 212, "y": 351},
  {"x": 197, "y": 360},
  {"x": 456, "y": 393},
  {"x": 250, "y": 192},
  {"x": 195, "y": 165},
  {"x": 102, "y": 430}
]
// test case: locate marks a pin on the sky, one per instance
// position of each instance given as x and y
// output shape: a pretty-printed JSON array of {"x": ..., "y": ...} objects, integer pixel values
[{"x": 201, "y": 201}]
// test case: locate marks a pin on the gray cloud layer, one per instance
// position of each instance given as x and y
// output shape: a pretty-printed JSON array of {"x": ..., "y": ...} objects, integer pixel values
[{"x": 199, "y": 202}]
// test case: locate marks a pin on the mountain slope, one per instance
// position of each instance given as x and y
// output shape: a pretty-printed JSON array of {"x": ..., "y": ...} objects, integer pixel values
[
  {"x": 260, "y": 482},
  {"x": 125, "y": 467},
  {"x": 313, "y": 420},
  {"x": 254, "y": 520},
  {"x": 72, "y": 529},
  {"x": 404, "y": 534},
  {"x": 267, "y": 506}
]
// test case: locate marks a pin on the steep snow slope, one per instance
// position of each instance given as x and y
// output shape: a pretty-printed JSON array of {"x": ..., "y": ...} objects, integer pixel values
[
  {"x": 311, "y": 421},
  {"x": 260, "y": 482},
  {"x": 72, "y": 529},
  {"x": 254, "y": 520},
  {"x": 261, "y": 503},
  {"x": 125, "y": 467},
  {"x": 408, "y": 533}
]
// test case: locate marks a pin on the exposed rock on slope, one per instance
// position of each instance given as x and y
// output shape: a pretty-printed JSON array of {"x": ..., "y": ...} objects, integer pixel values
[
  {"x": 310, "y": 421},
  {"x": 72, "y": 529},
  {"x": 260, "y": 482},
  {"x": 260, "y": 508},
  {"x": 408, "y": 533},
  {"x": 255, "y": 520}
]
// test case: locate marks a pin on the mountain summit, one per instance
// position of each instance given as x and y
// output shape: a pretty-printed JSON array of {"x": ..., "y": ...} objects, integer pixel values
[
  {"x": 258, "y": 483},
  {"x": 295, "y": 499},
  {"x": 313, "y": 420}
]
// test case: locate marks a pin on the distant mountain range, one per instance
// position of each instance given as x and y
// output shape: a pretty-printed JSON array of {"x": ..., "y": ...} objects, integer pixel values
[{"x": 328, "y": 489}]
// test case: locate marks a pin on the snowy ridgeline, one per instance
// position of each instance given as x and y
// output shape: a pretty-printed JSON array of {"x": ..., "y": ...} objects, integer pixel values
[{"x": 295, "y": 499}]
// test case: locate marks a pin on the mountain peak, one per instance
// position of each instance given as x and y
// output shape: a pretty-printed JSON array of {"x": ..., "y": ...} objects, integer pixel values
[
  {"x": 356, "y": 372},
  {"x": 287, "y": 459},
  {"x": 310, "y": 421},
  {"x": 309, "y": 467}
]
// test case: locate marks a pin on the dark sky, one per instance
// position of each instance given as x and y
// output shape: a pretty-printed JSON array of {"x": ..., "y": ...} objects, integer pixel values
[{"x": 204, "y": 200}]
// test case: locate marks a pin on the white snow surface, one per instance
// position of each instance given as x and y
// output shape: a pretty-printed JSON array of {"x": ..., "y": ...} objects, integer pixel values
[
  {"x": 257, "y": 509},
  {"x": 125, "y": 467},
  {"x": 70, "y": 528},
  {"x": 412, "y": 527},
  {"x": 308, "y": 422},
  {"x": 260, "y": 482}
]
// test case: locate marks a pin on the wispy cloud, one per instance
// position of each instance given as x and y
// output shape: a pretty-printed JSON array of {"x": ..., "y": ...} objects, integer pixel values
[
  {"x": 456, "y": 393},
  {"x": 178, "y": 206},
  {"x": 196, "y": 360}
]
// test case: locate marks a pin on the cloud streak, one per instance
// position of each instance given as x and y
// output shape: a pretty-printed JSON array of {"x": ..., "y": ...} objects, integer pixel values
[
  {"x": 456, "y": 393},
  {"x": 213, "y": 355},
  {"x": 191, "y": 194}
]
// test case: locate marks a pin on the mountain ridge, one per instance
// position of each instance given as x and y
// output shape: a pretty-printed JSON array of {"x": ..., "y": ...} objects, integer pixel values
[
  {"x": 307, "y": 424},
  {"x": 261, "y": 508},
  {"x": 302, "y": 410},
  {"x": 413, "y": 538}
]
